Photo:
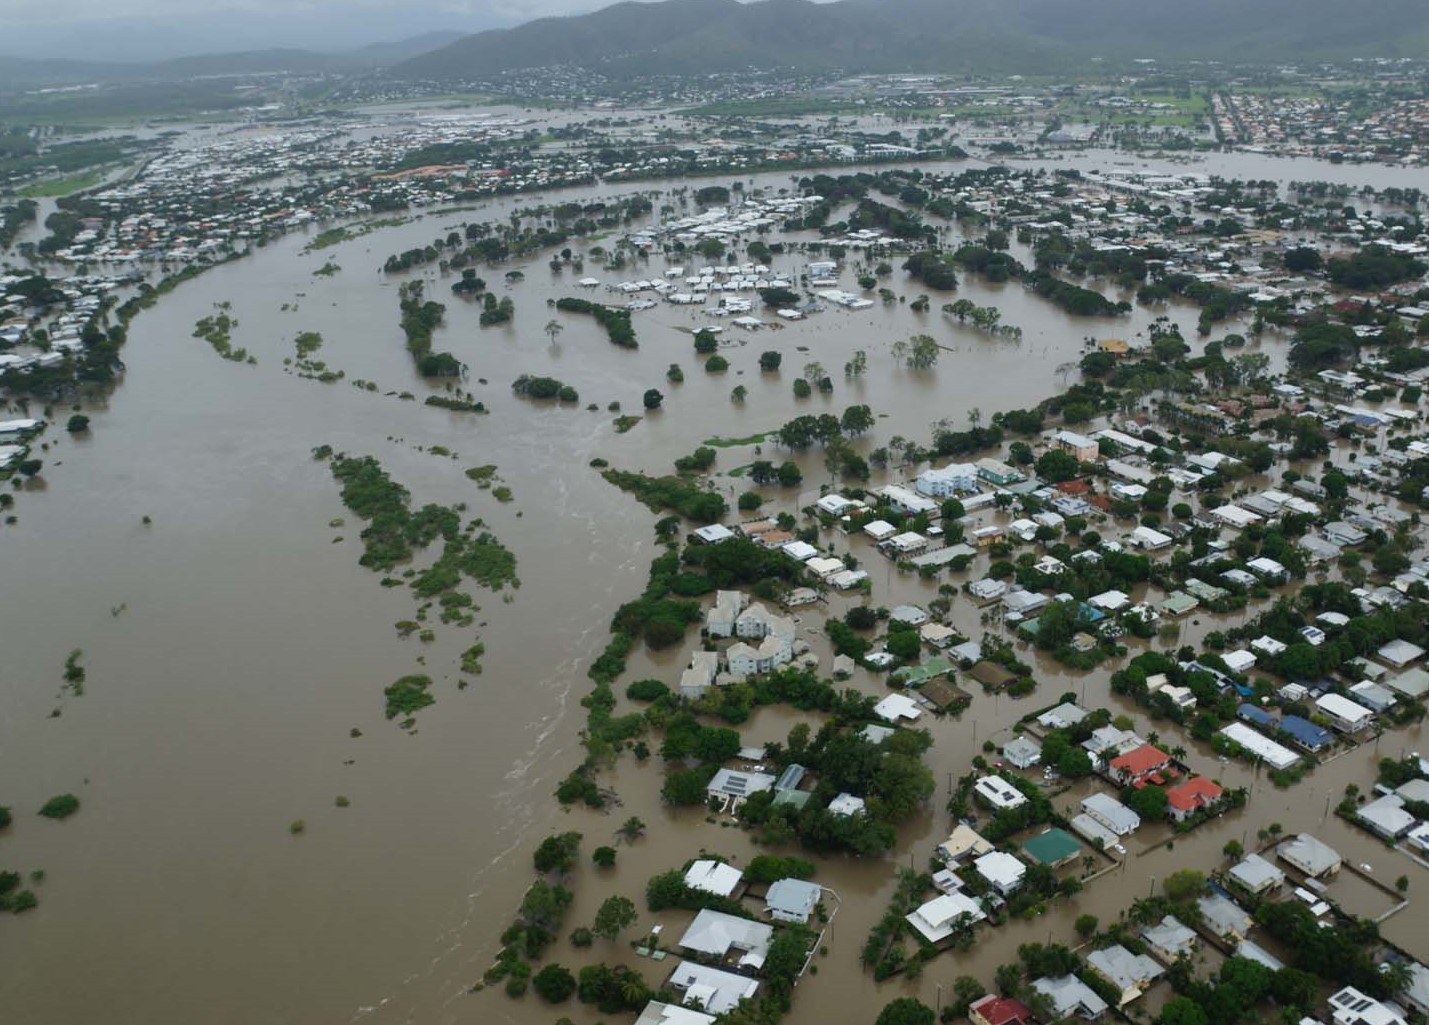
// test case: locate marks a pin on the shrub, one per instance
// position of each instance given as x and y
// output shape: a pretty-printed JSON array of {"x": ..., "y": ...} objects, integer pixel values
[
  {"x": 557, "y": 853},
  {"x": 61, "y": 806},
  {"x": 646, "y": 690},
  {"x": 604, "y": 857},
  {"x": 554, "y": 983}
]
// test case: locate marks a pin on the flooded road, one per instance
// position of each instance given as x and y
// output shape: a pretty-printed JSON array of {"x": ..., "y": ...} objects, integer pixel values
[{"x": 233, "y": 645}]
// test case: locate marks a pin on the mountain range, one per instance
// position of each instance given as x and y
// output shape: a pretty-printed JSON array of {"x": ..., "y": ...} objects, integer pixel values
[
  {"x": 934, "y": 35},
  {"x": 698, "y": 36}
]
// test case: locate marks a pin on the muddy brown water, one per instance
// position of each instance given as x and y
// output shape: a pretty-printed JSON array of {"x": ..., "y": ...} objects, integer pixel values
[{"x": 233, "y": 644}]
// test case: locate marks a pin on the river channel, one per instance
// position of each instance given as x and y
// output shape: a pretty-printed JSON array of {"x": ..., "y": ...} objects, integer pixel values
[{"x": 233, "y": 646}]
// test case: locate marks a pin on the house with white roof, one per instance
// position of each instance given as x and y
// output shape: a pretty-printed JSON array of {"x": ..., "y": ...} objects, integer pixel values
[
  {"x": 711, "y": 989},
  {"x": 1170, "y": 939},
  {"x": 846, "y": 804},
  {"x": 712, "y": 876},
  {"x": 940, "y": 917},
  {"x": 1344, "y": 715},
  {"x": 999, "y": 793},
  {"x": 1351, "y": 1007},
  {"x": 1255, "y": 875},
  {"x": 728, "y": 937},
  {"x": 1002, "y": 870},
  {"x": 1310, "y": 856},
  {"x": 1111, "y": 813},
  {"x": 1128, "y": 972},
  {"x": 657, "y": 1013},
  {"x": 1224, "y": 917},
  {"x": 792, "y": 900},
  {"x": 1071, "y": 997},
  {"x": 733, "y": 787},
  {"x": 879, "y": 530},
  {"x": 1149, "y": 540},
  {"x": 896, "y": 707}
]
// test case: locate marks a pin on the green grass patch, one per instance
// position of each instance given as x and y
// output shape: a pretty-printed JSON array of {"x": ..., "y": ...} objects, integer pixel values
[
  {"x": 753, "y": 439},
  {"x": 62, "y": 186}
]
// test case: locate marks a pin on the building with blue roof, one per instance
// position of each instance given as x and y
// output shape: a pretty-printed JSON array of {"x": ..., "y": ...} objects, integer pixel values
[
  {"x": 1305, "y": 734},
  {"x": 1259, "y": 716}
]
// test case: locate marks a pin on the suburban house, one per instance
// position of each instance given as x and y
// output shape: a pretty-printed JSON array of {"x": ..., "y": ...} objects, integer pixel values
[
  {"x": 712, "y": 876},
  {"x": 987, "y": 589},
  {"x": 897, "y": 706},
  {"x": 1399, "y": 653},
  {"x": 1022, "y": 752},
  {"x": 1351, "y": 1007},
  {"x": 728, "y": 938},
  {"x": 965, "y": 842},
  {"x": 1310, "y": 856},
  {"x": 1002, "y": 870},
  {"x": 1343, "y": 714},
  {"x": 1305, "y": 734},
  {"x": 1256, "y": 875},
  {"x": 1150, "y": 540},
  {"x": 715, "y": 991},
  {"x": 1052, "y": 847},
  {"x": 1169, "y": 939},
  {"x": 731, "y": 787},
  {"x": 1111, "y": 813},
  {"x": 792, "y": 900},
  {"x": 1224, "y": 917},
  {"x": 940, "y": 917},
  {"x": 836, "y": 505},
  {"x": 657, "y": 1013},
  {"x": 1386, "y": 817},
  {"x": 1079, "y": 445},
  {"x": 1071, "y": 997},
  {"x": 1146, "y": 763},
  {"x": 1276, "y": 755},
  {"x": 1128, "y": 972},
  {"x": 1064, "y": 715},
  {"x": 1092, "y": 830},
  {"x": 846, "y": 804},
  {"x": 998, "y": 793},
  {"x": 1194, "y": 795},
  {"x": 1374, "y": 696},
  {"x": 996, "y": 1010}
]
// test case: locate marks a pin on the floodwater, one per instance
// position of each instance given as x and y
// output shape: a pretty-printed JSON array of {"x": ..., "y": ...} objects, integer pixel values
[{"x": 233, "y": 644}]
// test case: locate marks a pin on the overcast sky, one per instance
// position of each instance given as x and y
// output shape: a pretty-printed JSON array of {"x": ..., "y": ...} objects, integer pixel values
[
  {"x": 144, "y": 30},
  {"x": 61, "y": 11}
]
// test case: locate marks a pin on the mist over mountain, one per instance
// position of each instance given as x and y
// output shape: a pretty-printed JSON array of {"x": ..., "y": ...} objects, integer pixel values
[
  {"x": 321, "y": 29},
  {"x": 677, "y": 36}
]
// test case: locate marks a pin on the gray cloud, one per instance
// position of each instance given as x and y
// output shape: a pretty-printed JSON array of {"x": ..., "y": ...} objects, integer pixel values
[{"x": 15, "y": 12}]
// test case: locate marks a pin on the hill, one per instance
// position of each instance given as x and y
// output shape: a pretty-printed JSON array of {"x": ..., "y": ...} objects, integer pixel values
[{"x": 677, "y": 36}]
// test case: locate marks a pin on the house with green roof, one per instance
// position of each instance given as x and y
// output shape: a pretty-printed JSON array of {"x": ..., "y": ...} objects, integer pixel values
[{"x": 1054, "y": 848}]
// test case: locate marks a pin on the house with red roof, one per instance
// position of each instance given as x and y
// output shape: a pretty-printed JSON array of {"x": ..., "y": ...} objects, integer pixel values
[
  {"x": 995, "y": 1010},
  {"x": 1186, "y": 799},
  {"x": 1141, "y": 765}
]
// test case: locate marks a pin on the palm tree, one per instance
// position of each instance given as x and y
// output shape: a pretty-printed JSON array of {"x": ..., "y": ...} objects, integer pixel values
[
  {"x": 553, "y": 328},
  {"x": 1397, "y": 975}
]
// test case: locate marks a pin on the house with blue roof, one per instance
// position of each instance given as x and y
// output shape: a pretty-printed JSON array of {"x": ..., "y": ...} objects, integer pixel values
[
  {"x": 1305, "y": 734},
  {"x": 1257, "y": 715}
]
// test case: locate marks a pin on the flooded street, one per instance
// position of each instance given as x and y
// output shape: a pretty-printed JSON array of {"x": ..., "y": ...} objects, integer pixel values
[{"x": 234, "y": 644}]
